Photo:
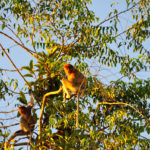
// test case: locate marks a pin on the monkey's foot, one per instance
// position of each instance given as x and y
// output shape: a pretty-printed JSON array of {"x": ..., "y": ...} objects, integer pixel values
[
  {"x": 67, "y": 97},
  {"x": 70, "y": 96}
]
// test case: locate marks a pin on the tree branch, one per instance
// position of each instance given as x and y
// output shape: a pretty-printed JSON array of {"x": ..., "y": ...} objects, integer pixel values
[
  {"x": 70, "y": 45},
  {"x": 6, "y": 112},
  {"x": 14, "y": 34},
  {"x": 21, "y": 144},
  {"x": 28, "y": 50},
  {"x": 10, "y": 70},
  {"x": 9, "y": 125},
  {"x": 14, "y": 65},
  {"x": 117, "y": 14},
  {"x": 8, "y": 118},
  {"x": 121, "y": 103}
]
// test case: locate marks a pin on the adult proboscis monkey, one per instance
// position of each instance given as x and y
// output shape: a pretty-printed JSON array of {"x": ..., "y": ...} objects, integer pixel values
[{"x": 75, "y": 82}]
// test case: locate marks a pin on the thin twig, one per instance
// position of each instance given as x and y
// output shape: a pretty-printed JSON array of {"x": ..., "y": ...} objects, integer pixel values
[
  {"x": 10, "y": 70},
  {"x": 19, "y": 139},
  {"x": 8, "y": 118},
  {"x": 117, "y": 14},
  {"x": 32, "y": 36},
  {"x": 19, "y": 144},
  {"x": 121, "y": 103},
  {"x": 58, "y": 109},
  {"x": 6, "y": 112},
  {"x": 28, "y": 50},
  {"x": 15, "y": 92},
  {"x": 14, "y": 65},
  {"x": 15, "y": 34},
  {"x": 123, "y": 32},
  {"x": 70, "y": 45},
  {"x": 9, "y": 125}
]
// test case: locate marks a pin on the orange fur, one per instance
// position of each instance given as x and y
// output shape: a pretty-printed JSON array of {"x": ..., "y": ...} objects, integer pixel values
[
  {"x": 74, "y": 81},
  {"x": 26, "y": 120}
]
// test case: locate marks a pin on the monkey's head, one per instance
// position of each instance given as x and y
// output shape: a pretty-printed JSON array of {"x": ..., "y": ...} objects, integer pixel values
[
  {"x": 68, "y": 68},
  {"x": 24, "y": 111}
]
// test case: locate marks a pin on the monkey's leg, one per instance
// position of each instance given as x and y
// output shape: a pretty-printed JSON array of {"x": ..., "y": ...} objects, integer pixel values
[
  {"x": 66, "y": 85},
  {"x": 69, "y": 86}
]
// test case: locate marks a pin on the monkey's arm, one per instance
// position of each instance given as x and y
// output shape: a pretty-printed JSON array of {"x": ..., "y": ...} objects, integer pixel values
[
  {"x": 27, "y": 125},
  {"x": 24, "y": 125}
]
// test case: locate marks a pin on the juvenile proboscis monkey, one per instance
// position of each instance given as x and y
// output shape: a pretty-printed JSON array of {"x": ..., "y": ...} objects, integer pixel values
[
  {"x": 75, "y": 82},
  {"x": 27, "y": 122}
]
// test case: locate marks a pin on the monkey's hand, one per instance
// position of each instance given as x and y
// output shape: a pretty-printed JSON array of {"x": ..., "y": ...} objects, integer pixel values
[{"x": 71, "y": 94}]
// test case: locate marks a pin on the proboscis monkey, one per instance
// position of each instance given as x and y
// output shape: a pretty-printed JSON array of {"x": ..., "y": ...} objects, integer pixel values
[
  {"x": 27, "y": 122},
  {"x": 75, "y": 82}
]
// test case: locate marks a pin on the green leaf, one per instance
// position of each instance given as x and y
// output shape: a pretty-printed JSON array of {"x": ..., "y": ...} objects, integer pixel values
[
  {"x": 3, "y": 26},
  {"x": 28, "y": 75},
  {"x": 22, "y": 98},
  {"x": 31, "y": 64}
]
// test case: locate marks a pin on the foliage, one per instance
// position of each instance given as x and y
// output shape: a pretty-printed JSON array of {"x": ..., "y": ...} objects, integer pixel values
[{"x": 66, "y": 31}]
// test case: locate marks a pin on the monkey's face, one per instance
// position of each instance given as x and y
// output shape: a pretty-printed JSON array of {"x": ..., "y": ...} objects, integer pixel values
[
  {"x": 68, "y": 68},
  {"x": 22, "y": 110}
]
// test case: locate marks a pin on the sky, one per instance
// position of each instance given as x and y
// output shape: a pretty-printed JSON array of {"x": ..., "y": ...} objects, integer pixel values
[{"x": 20, "y": 58}]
